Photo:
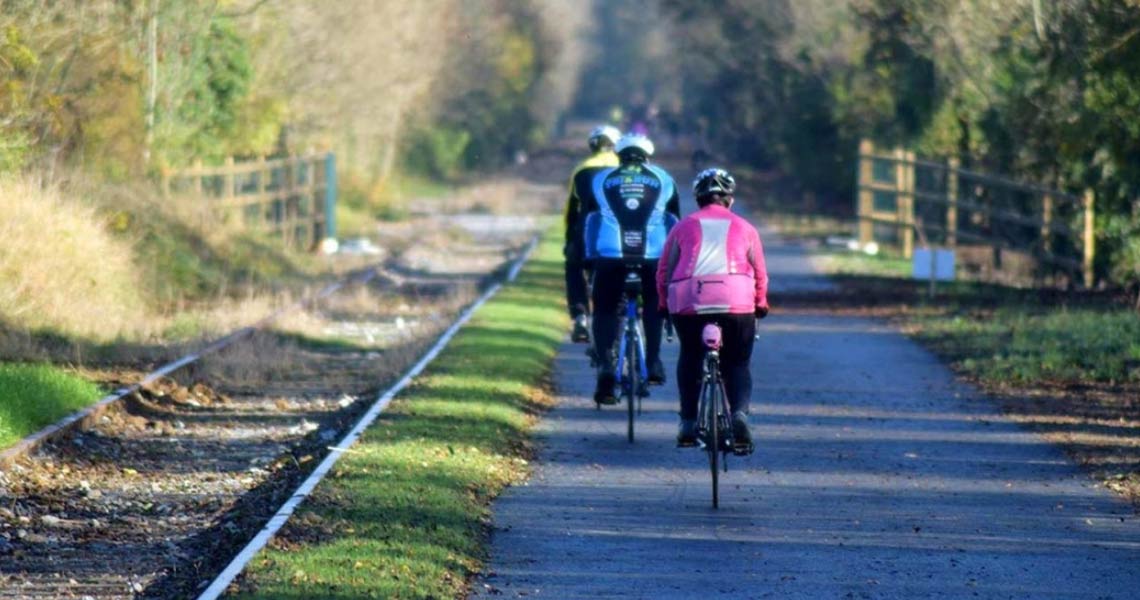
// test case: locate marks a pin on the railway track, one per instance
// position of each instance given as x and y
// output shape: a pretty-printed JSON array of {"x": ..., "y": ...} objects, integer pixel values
[{"x": 151, "y": 495}]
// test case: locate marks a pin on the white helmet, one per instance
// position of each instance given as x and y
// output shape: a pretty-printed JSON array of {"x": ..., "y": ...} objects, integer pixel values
[
  {"x": 634, "y": 144},
  {"x": 603, "y": 133}
]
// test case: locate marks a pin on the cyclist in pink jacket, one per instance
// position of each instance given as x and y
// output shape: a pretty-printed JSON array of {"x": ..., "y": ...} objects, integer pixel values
[{"x": 712, "y": 271}]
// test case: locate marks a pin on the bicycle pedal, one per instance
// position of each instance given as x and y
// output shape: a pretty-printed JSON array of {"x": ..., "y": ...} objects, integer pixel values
[{"x": 743, "y": 449}]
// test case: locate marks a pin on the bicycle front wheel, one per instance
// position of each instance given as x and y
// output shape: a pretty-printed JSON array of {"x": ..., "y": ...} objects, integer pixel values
[{"x": 713, "y": 448}]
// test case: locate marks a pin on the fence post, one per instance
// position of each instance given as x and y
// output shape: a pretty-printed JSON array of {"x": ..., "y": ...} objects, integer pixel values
[
  {"x": 1047, "y": 223},
  {"x": 198, "y": 177},
  {"x": 864, "y": 199},
  {"x": 1089, "y": 239},
  {"x": 228, "y": 179},
  {"x": 904, "y": 199},
  {"x": 911, "y": 183},
  {"x": 330, "y": 195},
  {"x": 952, "y": 201},
  {"x": 259, "y": 199}
]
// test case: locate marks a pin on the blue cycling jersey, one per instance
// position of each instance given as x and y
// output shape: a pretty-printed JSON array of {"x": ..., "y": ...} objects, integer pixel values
[{"x": 630, "y": 212}]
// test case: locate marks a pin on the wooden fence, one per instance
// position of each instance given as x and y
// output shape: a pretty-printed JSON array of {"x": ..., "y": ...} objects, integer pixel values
[
  {"x": 899, "y": 194},
  {"x": 292, "y": 198}
]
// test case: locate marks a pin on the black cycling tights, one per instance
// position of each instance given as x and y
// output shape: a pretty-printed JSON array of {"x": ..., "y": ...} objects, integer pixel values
[
  {"x": 609, "y": 310},
  {"x": 738, "y": 333}
]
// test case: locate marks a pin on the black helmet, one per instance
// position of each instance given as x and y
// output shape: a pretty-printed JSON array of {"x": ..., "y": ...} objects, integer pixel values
[{"x": 713, "y": 181}]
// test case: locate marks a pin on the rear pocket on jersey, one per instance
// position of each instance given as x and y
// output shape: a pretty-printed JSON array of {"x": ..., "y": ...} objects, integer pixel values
[{"x": 709, "y": 293}]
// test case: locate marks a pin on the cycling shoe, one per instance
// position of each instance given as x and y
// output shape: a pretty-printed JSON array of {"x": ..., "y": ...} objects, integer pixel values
[
  {"x": 604, "y": 390},
  {"x": 687, "y": 434},
  {"x": 741, "y": 435}
]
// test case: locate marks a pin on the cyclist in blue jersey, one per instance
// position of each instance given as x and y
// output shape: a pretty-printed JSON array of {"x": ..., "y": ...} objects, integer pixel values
[{"x": 629, "y": 211}]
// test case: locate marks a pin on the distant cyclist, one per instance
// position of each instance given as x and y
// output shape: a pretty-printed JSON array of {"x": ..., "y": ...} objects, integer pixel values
[
  {"x": 601, "y": 141},
  {"x": 629, "y": 211},
  {"x": 712, "y": 271}
]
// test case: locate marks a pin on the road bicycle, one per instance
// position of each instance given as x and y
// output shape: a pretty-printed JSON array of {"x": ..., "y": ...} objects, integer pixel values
[
  {"x": 714, "y": 415},
  {"x": 632, "y": 371}
]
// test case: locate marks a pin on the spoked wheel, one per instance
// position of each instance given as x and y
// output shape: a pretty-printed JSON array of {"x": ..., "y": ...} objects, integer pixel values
[
  {"x": 632, "y": 398},
  {"x": 639, "y": 396},
  {"x": 726, "y": 439},
  {"x": 713, "y": 449}
]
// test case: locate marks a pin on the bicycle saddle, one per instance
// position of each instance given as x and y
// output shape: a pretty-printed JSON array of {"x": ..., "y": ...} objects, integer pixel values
[{"x": 711, "y": 336}]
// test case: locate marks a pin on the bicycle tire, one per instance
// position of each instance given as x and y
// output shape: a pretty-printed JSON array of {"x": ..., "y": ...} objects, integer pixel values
[
  {"x": 632, "y": 381},
  {"x": 725, "y": 419},
  {"x": 713, "y": 446}
]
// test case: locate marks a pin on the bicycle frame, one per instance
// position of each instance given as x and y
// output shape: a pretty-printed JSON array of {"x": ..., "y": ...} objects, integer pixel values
[
  {"x": 631, "y": 334},
  {"x": 712, "y": 391},
  {"x": 714, "y": 430}
]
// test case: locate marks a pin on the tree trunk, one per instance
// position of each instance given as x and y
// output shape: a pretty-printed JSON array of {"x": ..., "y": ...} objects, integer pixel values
[{"x": 388, "y": 154}]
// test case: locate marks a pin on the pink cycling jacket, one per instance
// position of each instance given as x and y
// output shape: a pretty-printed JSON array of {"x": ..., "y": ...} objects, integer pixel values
[{"x": 713, "y": 262}]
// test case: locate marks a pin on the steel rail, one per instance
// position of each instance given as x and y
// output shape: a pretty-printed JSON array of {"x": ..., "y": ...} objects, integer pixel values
[{"x": 277, "y": 521}]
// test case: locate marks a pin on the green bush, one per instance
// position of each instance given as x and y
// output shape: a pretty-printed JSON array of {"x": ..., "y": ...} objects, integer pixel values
[{"x": 437, "y": 151}]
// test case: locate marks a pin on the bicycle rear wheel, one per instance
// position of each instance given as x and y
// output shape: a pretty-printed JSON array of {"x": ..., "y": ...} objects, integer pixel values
[{"x": 633, "y": 381}]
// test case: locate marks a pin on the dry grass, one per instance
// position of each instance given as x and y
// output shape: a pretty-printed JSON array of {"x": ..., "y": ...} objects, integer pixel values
[
  {"x": 88, "y": 266},
  {"x": 60, "y": 266}
]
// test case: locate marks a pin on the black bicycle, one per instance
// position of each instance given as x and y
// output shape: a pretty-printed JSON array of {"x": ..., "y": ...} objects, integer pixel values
[{"x": 714, "y": 423}]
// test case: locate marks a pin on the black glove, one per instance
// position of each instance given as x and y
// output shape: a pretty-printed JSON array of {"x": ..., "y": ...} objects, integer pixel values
[{"x": 761, "y": 312}]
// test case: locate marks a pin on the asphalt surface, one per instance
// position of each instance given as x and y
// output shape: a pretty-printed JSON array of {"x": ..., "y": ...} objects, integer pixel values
[{"x": 877, "y": 475}]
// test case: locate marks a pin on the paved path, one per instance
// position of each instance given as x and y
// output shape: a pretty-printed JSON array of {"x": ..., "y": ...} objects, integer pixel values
[{"x": 877, "y": 475}]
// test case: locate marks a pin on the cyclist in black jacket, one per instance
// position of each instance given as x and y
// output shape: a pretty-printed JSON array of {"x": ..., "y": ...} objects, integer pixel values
[{"x": 601, "y": 141}]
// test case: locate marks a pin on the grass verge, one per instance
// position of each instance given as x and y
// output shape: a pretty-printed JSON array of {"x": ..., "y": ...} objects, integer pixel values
[
  {"x": 854, "y": 263},
  {"x": 35, "y": 396},
  {"x": 404, "y": 513}
]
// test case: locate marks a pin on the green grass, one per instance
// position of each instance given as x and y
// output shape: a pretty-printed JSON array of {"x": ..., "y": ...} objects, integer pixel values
[
  {"x": 181, "y": 265},
  {"x": 35, "y": 396},
  {"x": 354, "y": 221},
  {"x": 799, "y": 225},
  {"x": 403, "y": 515},
  {"x": 1017, "y": 344},
  {"x": 855, "y": 263}
]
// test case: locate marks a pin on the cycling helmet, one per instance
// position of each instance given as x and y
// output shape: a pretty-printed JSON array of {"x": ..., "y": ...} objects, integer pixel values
[
  {"x": 632, "y": 146},
  {"x": 713, "y": 181},
  {"x": 603, "y": 135}
]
